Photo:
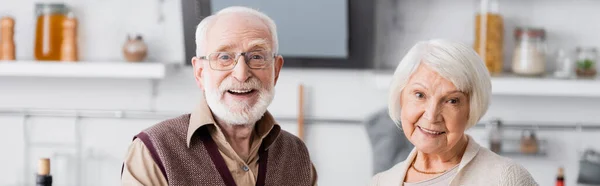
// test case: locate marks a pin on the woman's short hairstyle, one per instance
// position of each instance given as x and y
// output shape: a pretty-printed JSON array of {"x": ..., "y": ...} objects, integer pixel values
[{"x": 455, "y": 62}]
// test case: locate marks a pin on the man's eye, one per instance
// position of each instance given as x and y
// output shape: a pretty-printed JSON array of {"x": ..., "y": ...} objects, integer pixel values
[
  {"x": 224, "y": 57},
  {"x": 256, "y": 57}
]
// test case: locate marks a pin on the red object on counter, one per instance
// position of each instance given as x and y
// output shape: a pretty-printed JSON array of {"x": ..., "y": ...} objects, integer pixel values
[{"x": 560, "y": 179}]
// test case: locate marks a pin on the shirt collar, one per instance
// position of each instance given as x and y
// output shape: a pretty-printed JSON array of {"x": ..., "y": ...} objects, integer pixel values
[{"x": 266, "y": 128}]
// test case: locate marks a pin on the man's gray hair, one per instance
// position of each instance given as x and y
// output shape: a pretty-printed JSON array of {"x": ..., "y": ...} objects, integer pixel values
[
  {"x": 202, "y": 28},
  {"x": 455, "y": 62}
]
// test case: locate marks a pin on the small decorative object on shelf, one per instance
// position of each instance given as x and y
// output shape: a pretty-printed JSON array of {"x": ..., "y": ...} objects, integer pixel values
[
  {"x": 7, "y": 42},
  {"x": 529, "y": 143},
  {"x": 43, "y": 177},
  {"x": 69, "y": 50},
  {"x": 495, "y": 135},
  {"x": 586, "y": 62},
  {"x": 564, "y": 64},
  {"x": 135, "y": 49}
]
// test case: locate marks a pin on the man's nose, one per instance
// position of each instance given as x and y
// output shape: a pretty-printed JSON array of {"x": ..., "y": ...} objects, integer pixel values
[{"x": 241, "y": 71}]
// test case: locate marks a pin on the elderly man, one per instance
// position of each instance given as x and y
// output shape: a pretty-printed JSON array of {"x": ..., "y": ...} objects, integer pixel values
[{"x": 230, "y": 139}]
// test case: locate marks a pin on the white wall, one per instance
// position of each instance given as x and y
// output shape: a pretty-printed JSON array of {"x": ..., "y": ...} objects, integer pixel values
[{"x": 341, "y": 152}]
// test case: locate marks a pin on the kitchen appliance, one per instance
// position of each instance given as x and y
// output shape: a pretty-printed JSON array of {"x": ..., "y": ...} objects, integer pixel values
[{"x": 589, "y": 168}]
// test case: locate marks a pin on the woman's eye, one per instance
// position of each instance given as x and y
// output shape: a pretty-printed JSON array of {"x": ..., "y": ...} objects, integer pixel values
[
  {"x": 419, "y": 95},
  {"x": 453, "y": 101}
]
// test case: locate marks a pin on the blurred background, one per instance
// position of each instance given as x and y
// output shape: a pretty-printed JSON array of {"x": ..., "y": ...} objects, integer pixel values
[{"x": 79, "y": 78}]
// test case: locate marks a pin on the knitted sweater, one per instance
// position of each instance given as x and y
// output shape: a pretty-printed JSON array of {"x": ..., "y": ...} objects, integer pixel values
[{"x": 478, "y": 166}]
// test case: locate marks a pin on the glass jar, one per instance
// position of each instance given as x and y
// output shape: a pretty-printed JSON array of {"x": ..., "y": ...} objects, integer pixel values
[
  {"x": 489, "y": 36},
  {"x": 586, "y": 61},
  {"x": 530, "y": 52},
  {"x": 49, "y": 30}
]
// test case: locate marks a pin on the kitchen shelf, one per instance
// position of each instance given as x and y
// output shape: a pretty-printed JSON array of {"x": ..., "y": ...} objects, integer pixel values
[
  {"x": 124, "y": 70},
  {"x": 527, "y": 86},
  {"x": 520, "y": 154}
]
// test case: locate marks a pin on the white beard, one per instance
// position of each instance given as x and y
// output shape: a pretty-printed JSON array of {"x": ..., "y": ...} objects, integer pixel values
[{"x": 238, "y": 113}]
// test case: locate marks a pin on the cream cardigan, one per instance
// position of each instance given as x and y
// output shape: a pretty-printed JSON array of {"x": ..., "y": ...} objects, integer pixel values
[{"x": 478, "y": 166}]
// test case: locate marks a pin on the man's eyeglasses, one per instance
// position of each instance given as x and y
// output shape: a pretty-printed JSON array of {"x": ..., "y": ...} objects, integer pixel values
[{"x": 223, "y": 61}]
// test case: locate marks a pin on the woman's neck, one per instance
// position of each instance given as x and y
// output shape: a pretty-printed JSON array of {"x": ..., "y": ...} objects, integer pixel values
[{"x": 441, "y": 161}]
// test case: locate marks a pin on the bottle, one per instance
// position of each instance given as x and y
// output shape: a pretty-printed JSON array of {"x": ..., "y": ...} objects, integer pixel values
[
  {"x": 560, "y": 178},
  {"x": 489, "y": 36},
  {"x": 68, "y": 50},
  {"x": 43, "y": 177},
  {"x": 495, "y": 135},
  {"x": 7, "y": 42}
]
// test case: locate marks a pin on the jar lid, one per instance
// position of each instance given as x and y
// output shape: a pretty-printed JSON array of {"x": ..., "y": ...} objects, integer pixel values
[
  {"x": 51, "y": 8},
  {"x": 530, "y": 32}
]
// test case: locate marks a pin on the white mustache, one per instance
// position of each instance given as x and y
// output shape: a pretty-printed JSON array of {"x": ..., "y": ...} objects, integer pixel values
[{"x": 229, "y": 83}]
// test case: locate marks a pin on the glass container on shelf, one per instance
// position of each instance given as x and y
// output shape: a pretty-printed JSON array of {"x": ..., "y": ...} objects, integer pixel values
[
  {"x": 489, "y": 35},
  {"x": 529, "y": 58},
  {"x": 49, "y": 30},
  {"x": 494, "y": 128},
  {"x": 586, "y": 61},
  {"x": 564, "y": 64},
  {"x": 529, "y": 143}
]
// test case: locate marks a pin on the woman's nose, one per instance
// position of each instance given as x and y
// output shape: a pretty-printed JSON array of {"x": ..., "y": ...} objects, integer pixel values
[{"x": 432, "y": 112}]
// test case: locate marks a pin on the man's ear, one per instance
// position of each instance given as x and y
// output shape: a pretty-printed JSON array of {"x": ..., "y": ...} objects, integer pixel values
[
  {"x": 278, "y": 64},
  {"x": 198, "y": 67}
]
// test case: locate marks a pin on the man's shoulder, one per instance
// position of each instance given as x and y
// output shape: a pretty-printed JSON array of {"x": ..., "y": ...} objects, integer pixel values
[
  {"x": 170, "y": 126},
  {"x": 290, "y": 141},
  {"x": 289, "y": 137}
]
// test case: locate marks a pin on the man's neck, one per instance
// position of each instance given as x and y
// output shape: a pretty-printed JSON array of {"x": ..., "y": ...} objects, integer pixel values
[{"x": 239, "y": 137}]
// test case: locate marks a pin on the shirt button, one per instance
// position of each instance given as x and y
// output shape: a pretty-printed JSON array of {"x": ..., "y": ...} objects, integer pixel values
[{"x": 245, "y": 168}]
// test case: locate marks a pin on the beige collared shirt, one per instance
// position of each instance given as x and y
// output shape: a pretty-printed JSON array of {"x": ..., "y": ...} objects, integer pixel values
[{"x": 140, "y": 169}]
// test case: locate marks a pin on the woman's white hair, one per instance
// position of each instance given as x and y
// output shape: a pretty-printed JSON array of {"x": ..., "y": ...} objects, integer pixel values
[
  {"x": 455, "y": 62},
  {"x": 202, "y": 28}
]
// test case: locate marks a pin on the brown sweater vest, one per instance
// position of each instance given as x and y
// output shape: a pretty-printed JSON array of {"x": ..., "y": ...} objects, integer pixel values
[{"x": 288, "y": 162}]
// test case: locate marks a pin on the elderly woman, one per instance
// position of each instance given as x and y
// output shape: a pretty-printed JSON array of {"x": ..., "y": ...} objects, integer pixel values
[{"x": 440, "y": 89}]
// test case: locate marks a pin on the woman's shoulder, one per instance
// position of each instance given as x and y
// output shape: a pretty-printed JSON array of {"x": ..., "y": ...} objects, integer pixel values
[
  {"x": 487, "y": 157},
  {"x": 390, "y": 176},
  {"x": 511, "y": 173}
]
